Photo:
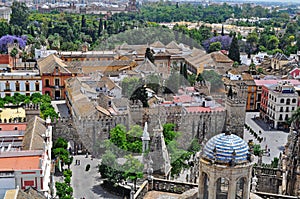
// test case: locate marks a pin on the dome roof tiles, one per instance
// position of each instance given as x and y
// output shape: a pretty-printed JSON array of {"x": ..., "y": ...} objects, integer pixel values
[{"x": 226, "y": 148}]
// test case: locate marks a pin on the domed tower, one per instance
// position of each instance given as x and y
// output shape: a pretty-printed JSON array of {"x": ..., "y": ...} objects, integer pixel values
[{"x": 225, "y": 168}]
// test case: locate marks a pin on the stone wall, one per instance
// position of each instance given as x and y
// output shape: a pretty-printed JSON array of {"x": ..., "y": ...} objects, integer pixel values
[
  {"x": 269, "y": 179},
  {"x": 92, "y": 131}
]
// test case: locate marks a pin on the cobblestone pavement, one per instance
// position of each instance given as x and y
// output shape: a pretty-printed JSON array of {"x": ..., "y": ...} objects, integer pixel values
[{"x": 273, "y": 139}]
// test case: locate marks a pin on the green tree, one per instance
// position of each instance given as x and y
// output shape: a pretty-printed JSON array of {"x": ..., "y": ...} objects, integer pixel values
[
  {"x": 214, "y": 78},
  {"x": 60, "y": 143},
  {"x": 272, "y": 42},
  {"x": 133, "y": 139},
  {"x": 129, "y": 85},
  {"x": 257, "y": 150},
  {"x": 215, "y": 46},
  {"x": 133, "y": 169},
  {"x": 192, "y": 79},
  {"x": 20, "y": 14},
  {"x": 274, "y": 163},
  {"x": 118, "y": 136},
  {"x": 4, "y": 28},
  {"x": 234, "y": 50},
  {"x": 169, "y": 133},
  {"x": 109, "y": 167}
]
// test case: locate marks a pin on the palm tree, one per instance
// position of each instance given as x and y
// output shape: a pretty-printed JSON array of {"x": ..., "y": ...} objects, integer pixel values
[{"x": 13, "y": 54}]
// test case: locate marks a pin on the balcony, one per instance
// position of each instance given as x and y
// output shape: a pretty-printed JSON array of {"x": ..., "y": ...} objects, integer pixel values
[
  {"x": 57, "y": 87},
  {"x": 7, "y": 90}
]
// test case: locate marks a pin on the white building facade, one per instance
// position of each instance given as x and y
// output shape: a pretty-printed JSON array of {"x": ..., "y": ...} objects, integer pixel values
[
  {"x": 25, "y": 83},
  {"x": 282, "y": 101},
  {"x": 5, "y": 13}
]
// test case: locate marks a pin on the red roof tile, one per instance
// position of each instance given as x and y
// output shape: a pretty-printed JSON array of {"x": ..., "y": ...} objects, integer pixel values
[{"x": 20, "y": 163}]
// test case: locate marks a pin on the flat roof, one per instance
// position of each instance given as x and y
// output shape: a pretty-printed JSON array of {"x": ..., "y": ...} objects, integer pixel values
[
  {"x": 260, "y": 82},
  {"x": 20, "y": 163}
]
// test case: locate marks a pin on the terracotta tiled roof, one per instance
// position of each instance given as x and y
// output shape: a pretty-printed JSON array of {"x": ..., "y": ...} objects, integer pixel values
[
  {"x": 82, "y": 106},
  {"x": 108, "y": 82},
  {"x": 234, "y": 71},
  {"x": 247, "y": 76},
  {"x": 92, "y": 66},
  {"x": 49, "y": 64},
  {"x": 191, "y": 109},
  {"x": 33, "y": 139},
  {"x": 157, "y": 44},
  {"x": 146, "y": 67},
  {"x": 220, "y": 57},
  {"x": 172, "y": 45},
  {"x": 121, "y": 102},
  {"x": 182, "y": 99},
  {"x": 30, "y": 193}
]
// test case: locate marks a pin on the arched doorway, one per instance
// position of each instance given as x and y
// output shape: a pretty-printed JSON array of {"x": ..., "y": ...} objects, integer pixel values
[
  {"x": 240, "y": 188},
  {"x": 222, "y": 188},
  {"x": 205, "y": 184}
]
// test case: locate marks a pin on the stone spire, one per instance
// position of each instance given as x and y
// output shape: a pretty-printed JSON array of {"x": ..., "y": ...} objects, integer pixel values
[
  {"x": 145, "y": 138},
  {"x": 159, "y": 153}
]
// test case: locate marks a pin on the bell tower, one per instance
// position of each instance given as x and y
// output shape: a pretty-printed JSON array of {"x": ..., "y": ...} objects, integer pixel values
[{"x": 235, "y": 106}]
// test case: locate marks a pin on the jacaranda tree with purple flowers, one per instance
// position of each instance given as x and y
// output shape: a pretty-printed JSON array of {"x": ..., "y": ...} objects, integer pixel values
[
  {"x": 224, "y": 40},
  {"x": 10, "y": 39}
]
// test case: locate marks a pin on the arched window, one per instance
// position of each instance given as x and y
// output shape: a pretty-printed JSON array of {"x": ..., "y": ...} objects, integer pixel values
[
  {"x": 222, "y": 188},
  {"x": 288, "y": 101},
  {"x": 293, "y": 100},
  {"x": 240, "y": 188},
  {"x": 282, "y": 101}
]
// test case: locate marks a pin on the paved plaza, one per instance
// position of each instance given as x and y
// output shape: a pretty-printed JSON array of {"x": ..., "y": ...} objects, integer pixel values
[
  {"x": 87, "y": 184},
  {"x": 273, "y": 139}
]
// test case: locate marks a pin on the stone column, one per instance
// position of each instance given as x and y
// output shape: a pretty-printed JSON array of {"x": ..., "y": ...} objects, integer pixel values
[
  {"x": 201, "y": 186},
  {"x": 212, "y": 189},
  {"x": 246, "y": 187},
  {"x": 232, "y": 189}
]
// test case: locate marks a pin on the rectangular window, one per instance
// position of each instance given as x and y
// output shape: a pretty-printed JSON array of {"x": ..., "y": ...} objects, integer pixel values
[
  {"x": 17, "y": 86},
  {"x": 56, "y": 82},
  {"x": 7, "y": 86},
  {"x": 37, "y": 86},
  {"x": 47, "y": 82},
  {"x": 27, "y": 86}
]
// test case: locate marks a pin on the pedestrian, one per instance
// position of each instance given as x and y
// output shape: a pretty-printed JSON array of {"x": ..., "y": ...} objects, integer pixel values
[
  {"x": 78, "y": 162},
  {"x": 265, "y": 138}
]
